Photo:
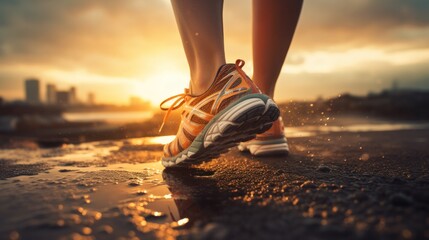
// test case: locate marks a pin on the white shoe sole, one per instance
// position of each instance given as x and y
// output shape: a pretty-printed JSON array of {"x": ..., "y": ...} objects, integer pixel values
[{"x": 265, "y": 147}]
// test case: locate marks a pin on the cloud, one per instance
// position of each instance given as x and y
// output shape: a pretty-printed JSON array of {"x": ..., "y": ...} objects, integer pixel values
[
  {"x": 106, "y": 37},
  {"x": 335, "y": 24},
  {"x": 370, "y": 77},
  {"x": 135, "y": 39},
  {"x": 98, "y": 33}
]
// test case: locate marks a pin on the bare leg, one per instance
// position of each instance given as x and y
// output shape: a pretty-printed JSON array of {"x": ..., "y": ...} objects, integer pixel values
[
  {"x": 201, "y": 29},
  {"x": 274, "y": 23}
]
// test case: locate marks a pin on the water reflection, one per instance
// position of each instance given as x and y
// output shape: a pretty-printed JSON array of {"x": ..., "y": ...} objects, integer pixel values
[
  {"x": 195, "y": 193},
  {"x": 94, "y": 189},
  {"x": 161, "y": 140}
]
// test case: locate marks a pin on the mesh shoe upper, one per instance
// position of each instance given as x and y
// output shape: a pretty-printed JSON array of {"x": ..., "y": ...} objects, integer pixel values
[{"x": 230, "y": 84}]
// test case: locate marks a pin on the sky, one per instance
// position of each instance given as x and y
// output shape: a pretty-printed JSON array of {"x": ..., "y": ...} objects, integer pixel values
[{"x": 119, "y": 49}]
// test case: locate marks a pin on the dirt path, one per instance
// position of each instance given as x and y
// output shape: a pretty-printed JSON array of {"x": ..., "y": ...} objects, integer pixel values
[{"x": 333, "y": 186}]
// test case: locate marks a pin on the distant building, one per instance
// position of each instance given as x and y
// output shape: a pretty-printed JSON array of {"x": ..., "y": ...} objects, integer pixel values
[
  {"x": 32, "y": 91},
  {"x": 51, "y": 94},
  {"x": 91, "y": 98},
  {"x": 63, "y": 97},
  {"x": 73, "y": 99}
]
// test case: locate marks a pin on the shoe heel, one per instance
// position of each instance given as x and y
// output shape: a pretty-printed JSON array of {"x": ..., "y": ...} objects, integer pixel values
[{"x": 243, "y": 120}]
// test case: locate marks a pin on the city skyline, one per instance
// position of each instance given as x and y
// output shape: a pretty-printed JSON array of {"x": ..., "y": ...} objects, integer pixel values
[
  {"x": 355, "y": 46},
  {"x": 33, "y": 93},
  {"x": 65, "y": 96}
]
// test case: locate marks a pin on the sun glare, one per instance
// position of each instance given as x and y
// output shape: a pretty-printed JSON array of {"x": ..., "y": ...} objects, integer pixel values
[
  {"x": 160, "y": 85},
  {"x": 161, "y": 140}
]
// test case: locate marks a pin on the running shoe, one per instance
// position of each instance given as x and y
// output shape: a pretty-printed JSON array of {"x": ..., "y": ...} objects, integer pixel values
[
  {"x": 231, "y": 111},
  {"x": 270, "y": 143}
]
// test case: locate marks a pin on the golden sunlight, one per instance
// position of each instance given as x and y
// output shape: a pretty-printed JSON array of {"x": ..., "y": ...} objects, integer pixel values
[
  {"x": 161, "y": 140},
  {"x": 153, "y": 85},
  {"x": 160, "y": 85}
]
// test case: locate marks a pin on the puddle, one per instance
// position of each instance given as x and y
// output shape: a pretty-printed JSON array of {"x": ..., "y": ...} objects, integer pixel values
[
  {"x": 79, "y": 197},
  {"x": 152, "y": 140}
]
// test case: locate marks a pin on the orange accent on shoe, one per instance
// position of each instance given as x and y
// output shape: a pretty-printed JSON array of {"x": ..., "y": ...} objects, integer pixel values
[
  {"x": 229, "y": 85},
  {"x": 276, "y": 131},
  {"x": 271, "y": 142},
  {"x": 240, "y": 64}
]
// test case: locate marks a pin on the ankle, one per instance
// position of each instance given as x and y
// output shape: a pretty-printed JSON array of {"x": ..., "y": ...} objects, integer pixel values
[
  {"x": 203, "y": 79},
  {"x": 267, "y": 90},
  {"x": 199, "y": 87}
]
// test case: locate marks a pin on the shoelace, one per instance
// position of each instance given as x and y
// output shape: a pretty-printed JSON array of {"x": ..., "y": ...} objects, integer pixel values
[{"x": 180, "y": 100}]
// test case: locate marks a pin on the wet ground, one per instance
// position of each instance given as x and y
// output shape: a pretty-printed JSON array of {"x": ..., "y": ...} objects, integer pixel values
[{"x": 336, "y": 185}]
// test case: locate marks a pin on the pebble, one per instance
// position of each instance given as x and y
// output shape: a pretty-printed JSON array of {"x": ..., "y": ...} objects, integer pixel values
[
  {"x": 359, "y": 196},
  {"x": 107, "y": 229},
  {"x": 214, "y": 231},
  {"x": 141, "y": 192},
  {"x": 180, "y": 223},
  {"x": 86, "y": 230},
  {"x": 308, "y": 184},
  {"x": 400, "y": 199},
  {"x": 398, "y": 181},
  {"x": 423, "y": 179},
  {"x": 60, "y": 223},
  {"x": 155, "y": 215},
  {"x": 135, "y": 183},
  {"x": 279, "y": 172},
  {"x": 324, "y": 169}
]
